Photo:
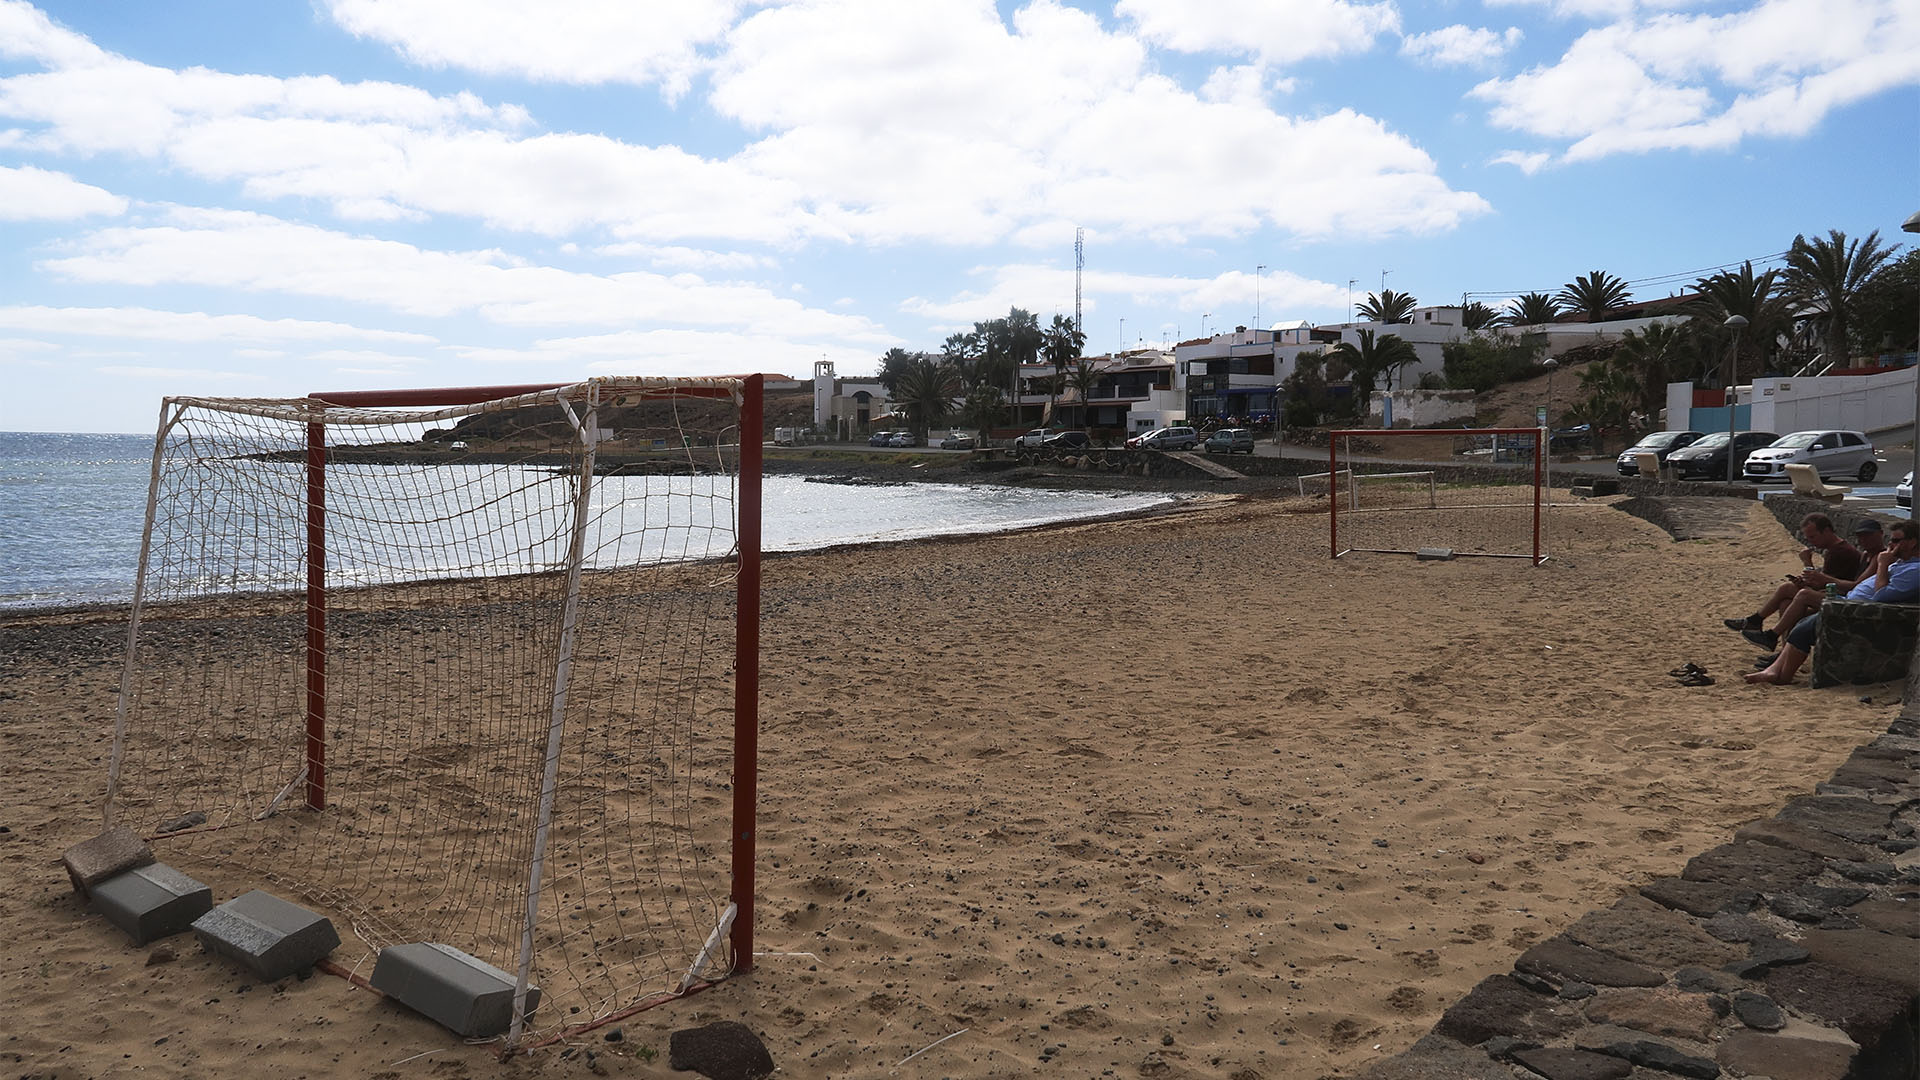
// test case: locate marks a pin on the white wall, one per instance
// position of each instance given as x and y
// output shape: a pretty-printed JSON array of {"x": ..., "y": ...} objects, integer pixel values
[
  {"x": 1423, "y": 408},
  {"x": 1856, "y": 402},
  {"x": 1847, "y": 402}
]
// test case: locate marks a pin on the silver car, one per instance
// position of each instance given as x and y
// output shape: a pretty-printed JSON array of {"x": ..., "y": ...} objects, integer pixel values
[{"x": 1833, "y": 453}]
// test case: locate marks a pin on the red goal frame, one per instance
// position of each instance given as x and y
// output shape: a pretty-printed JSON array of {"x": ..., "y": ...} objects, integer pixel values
[{"x": 1537, "y": 556}]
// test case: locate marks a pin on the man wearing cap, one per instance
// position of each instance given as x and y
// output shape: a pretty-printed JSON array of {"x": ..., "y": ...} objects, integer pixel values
[{"x": 1812, "y": 583}]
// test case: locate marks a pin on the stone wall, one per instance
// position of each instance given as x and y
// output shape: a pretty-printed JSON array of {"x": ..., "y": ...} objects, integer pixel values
[
  {"x": 1792, "y": 952},
  {"x": 1863, "y": 642}
]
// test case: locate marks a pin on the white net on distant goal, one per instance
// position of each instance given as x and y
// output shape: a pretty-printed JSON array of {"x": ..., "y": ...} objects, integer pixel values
[
  {"x": 1468, "y": 491},
  {"x": 433, "y": 669}
]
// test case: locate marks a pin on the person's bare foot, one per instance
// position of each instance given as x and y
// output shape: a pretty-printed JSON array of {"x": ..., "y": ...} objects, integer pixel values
[{"x": 1767, "y": 675}]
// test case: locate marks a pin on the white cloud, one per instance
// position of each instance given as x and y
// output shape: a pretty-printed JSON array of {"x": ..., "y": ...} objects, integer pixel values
[
  {"x": 681, "y": 352},
  {"x": 877, "y": 122},
  {"x": 1460, "y": 46},
  {"x": 1706, "y": 82},
  {"x": 147, "y": 371},
  {"x": 566, "y": 41},
  {"x": 146, "y": 324},
  {"x": 257, "y": 253},
  {"x": 1046, "y": 289},
  {"x": 1275, "y": 31},
  {"x": 1528, "y": 162},
  {"x": 30, "y": 194},
  {"x": 688, "y": 258}
]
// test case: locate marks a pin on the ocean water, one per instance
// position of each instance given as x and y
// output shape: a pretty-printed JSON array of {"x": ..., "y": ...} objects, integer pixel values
[{"x": 71, "y": 509}]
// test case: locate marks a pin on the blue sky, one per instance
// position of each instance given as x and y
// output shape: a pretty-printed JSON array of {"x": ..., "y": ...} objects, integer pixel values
[{"x": 272, "y": 198}]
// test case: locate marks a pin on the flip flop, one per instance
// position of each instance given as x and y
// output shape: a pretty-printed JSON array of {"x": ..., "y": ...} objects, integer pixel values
[
  {"x": 1696, "y": 678},
  {"x": 1690, "y": 668}
]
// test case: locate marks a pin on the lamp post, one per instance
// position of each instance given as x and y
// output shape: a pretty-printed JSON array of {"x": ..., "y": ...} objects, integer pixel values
[
  {"x": 1912, "y": 225},
  {"x": 1735, "y": 323}
]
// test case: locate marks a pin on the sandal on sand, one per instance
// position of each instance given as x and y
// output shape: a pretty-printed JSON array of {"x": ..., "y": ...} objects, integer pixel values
[
  {"x": 1689, "y": 668},
  {"x": 1696, "y": 678}
]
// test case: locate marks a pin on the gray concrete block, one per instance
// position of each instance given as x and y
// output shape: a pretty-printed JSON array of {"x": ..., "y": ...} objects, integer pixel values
[
  {"x": 469, "y": 997},
  {"x": 115, "y": 851},
  {"x": 151, "y": 902},
  {"x": 266, "y": 935},
  {"x": 1433, "y": 554}
]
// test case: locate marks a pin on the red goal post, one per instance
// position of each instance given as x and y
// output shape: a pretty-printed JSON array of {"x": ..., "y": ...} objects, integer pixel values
[{"x": 1389, "y": 503}]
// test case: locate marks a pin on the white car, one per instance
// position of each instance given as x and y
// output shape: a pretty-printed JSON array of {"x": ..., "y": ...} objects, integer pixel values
[
  {"x": 1903, "y": 495},
  {"x": 1833, "y": 453},
  {"x": 1032, "y": 440}
]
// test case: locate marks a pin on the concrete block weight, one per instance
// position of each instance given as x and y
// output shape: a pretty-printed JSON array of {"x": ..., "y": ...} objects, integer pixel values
[
  {"x": 266, "y": 935},
  {"x": 151, "y": 902},
  {"x": 468, "y": 996},
  {"x": 113, "y": 852}
]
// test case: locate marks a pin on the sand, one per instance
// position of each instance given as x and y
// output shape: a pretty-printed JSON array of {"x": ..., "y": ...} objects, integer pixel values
[{"x": 1166, "y": 797}]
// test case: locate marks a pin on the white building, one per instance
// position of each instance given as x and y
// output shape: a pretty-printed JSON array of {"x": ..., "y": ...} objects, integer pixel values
[{"x": 843, "y": 408}]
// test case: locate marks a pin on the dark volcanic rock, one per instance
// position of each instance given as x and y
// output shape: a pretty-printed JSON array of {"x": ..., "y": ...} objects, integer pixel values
[
  {"x": 1500, "y": 1006},
  {"x": 1749, "y": 1053},
  {"x": 1559, "y": 958},
  {"x": 1889, "y": 916},
  {"x": 1753, "y": 865},
  {"x": 1658, "y": 1055},
  {"x": 1865, "y": 1008},
  {"x": 1658, "y": 938},
  {"x": 724, "y": 1050},
  {"x": 1569, "y": 1064},
  {"x": 1858, "y": 820},
  {"x": 1702, "y": 898},
  {"x": 1893, "y": 957},
  {"x": 1792, "y": 834},
  {"x": 1758, "y": 1011},
  {"x": 1435, "y": 1058},
  {"x": 1730, "y": 927}
]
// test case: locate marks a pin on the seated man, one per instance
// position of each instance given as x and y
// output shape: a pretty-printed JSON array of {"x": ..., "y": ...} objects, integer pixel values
[
  {"x": 1841, "y": 561},
  {"x": 1895, "y": 580},
  {"x": 1806, "y": 601}
]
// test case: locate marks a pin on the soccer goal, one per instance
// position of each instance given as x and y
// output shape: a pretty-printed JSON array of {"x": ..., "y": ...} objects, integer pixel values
[
  {"x": 1403, "y": 491},
  {"x": 473, "y": 667}
]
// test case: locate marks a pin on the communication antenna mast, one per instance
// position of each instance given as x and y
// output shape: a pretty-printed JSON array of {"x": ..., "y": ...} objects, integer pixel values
[{"x": 1079, "y": 269}]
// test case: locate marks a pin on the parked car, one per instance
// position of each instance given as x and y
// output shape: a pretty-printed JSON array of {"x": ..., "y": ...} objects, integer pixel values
[
  {"x": 959, "y": 440},
  {"x": 1067, "y": 440},
  {"x": 1230, "y": 440},
  {"x": 1833, "y": 453},
  {"x": 1659, "y": 444},
  {"x": 1032, "y": 440},
  {"x": 880, "y": 438},
  {"x": 1903, "y": 495},
  {"x": 1166, "y": 438},
  {"x": 904, "y": 438},
  {"x": 1706, "y": 458}
]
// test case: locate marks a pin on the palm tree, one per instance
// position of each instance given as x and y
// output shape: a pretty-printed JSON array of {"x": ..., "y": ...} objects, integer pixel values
[
  {"x": 1829, "y": 273},
  {"x": 1531, "y": 309},
  {"x": 925, "y": 392},
  {"x": 1594, "y": 295},
  {"x": 1371, "y": 359},
  {"x": 1647, "y": 359},
  {"x": 1081, "y": 376},
  {"x": 1060, "y": 343},
  {"x": 1388, "y": 307},
  {"x": 1477, "y": 316},
  {"x": 1753, "y": 297}
]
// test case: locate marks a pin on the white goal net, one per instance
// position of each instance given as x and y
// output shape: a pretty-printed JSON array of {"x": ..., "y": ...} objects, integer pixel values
[
  {"x": 1461, "y": 491},
  {"x": 461, "y": 674}
]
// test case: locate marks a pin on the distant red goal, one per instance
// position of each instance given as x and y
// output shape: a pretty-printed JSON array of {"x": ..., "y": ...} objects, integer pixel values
[{"x": 1469, "y": 491}]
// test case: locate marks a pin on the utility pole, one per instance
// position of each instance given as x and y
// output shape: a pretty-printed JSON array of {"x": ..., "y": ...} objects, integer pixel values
[
  {"x": 1350, "y": 284},
  {"x": 1257, "y": 272},
  {"x": 1079, "y": 270}
]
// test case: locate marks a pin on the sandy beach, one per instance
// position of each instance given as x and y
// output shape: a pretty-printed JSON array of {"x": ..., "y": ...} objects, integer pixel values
[{"x": 1176, "y": 796}]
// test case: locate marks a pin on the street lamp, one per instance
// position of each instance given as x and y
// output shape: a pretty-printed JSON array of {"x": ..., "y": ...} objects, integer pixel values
[
  {"x": 1912, "y": 225},
  {"x": 1735, "y": 323}
]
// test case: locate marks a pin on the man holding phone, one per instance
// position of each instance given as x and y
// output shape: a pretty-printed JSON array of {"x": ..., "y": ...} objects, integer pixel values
[{"x": 1840, "y": 563}]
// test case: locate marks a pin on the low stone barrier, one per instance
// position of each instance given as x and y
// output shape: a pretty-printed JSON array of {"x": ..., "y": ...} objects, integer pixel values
[
  {"x": 1863, "y": 642},
  {"x": 1792, "y": 952}
]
